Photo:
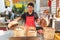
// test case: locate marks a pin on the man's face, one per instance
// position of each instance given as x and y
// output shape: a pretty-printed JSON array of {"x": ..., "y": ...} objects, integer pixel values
[
  {"x": 43, "y": 23},
  {"x": 30, "y": 8},
  {"x": 46, "y": 11}
]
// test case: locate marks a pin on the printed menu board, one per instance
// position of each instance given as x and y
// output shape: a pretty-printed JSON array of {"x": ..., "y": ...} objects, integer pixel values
[{"x": 53, "y": 6}]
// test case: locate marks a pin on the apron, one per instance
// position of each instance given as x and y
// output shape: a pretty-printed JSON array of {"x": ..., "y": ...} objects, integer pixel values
[{"x": 30, "y": 21}]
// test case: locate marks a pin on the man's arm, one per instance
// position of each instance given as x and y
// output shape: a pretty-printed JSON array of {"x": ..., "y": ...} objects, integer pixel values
[
  {"x": 13, "y": 23},
  {"x": 36, "y": 17},
  {"x": 17, "y": 19}
]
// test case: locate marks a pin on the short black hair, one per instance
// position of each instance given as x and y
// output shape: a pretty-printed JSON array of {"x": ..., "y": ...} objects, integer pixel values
[
  {"x": 31, "y": 4},
  {"x": 5, "y": 6}
]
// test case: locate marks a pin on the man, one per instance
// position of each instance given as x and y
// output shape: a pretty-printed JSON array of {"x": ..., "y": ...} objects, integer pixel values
[
  {"x": 30, "y": 16},
  {"x": 46, "y": 14}
]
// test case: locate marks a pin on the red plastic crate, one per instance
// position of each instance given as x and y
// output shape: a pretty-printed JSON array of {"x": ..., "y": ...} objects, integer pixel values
[{"x": 3, "y": 28}]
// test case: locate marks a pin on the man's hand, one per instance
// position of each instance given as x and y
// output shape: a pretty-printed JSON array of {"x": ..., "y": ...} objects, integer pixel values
[
  {"x": 38, "y": 21},
  {"x": 12, "y": 23},
  {"x": 40, "y": 31}
]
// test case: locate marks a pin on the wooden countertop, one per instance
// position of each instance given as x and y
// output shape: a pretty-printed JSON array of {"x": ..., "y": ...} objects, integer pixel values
[{"x": 24, "y": 38}]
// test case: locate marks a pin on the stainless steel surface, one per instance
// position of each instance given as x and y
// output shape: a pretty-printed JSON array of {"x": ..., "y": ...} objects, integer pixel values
[
  {"x": 9, "y": 35},
  {"x": 57, "y": 25},
  {"x": 6, "y": 35},
  {"x": 25, "y": 38}
]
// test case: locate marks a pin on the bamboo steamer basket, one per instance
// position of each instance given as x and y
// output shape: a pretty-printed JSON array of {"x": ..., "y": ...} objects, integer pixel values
[
  {"x": 31, "y": 32},
  {"x": 19, "y": 32},
  {"x": 49, "y": 33}
]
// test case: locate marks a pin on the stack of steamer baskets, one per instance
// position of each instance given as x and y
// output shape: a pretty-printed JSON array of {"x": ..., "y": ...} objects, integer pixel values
[{"x": 22, "y": 31}]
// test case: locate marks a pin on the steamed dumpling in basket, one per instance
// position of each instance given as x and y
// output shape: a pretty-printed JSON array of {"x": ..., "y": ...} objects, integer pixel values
[
  {"x": 49, "y": 33},
  {"x": 31, "y": 32},
  {"x": 19, "y": 32}
]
